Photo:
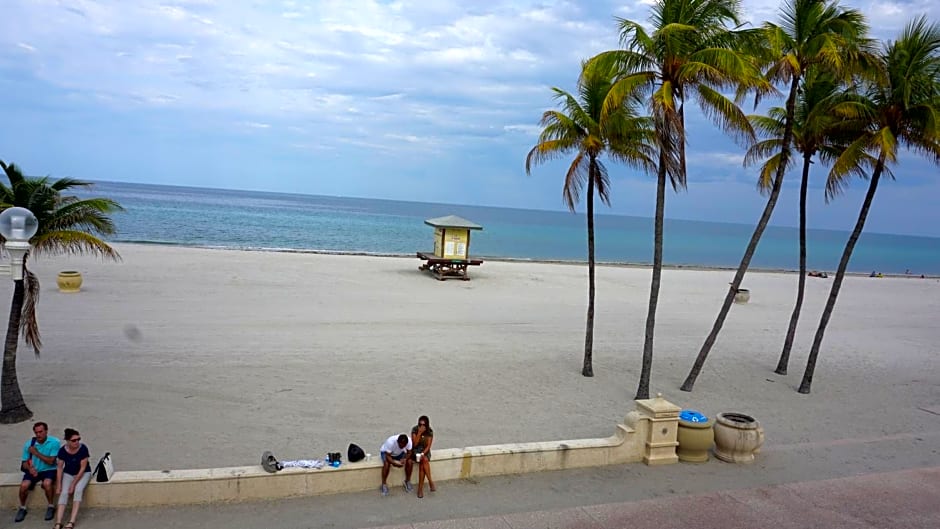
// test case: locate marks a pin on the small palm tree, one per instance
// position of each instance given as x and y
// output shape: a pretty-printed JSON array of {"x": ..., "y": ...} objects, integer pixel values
[
  {"x": 583, "y": 129},
  {"x": 814, "y": 33},
  {"x": 689, "y": 56},
  {"x": 818, "y": 130},
  {"x": 902, "y": 109},
  {"x": 67, "y": 225}
]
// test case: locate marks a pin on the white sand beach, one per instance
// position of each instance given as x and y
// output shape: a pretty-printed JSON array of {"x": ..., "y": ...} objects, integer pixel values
[{"x": 194, "y": 358}]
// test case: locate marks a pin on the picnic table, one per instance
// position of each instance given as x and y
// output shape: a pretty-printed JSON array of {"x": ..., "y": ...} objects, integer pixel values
[{"x": 447, "y": 268}]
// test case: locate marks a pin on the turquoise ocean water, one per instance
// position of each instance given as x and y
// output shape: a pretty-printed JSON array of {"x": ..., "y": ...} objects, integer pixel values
[{"x": 280, "y": 221}]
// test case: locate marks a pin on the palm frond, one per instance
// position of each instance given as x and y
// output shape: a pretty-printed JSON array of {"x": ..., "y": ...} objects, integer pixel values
[
  {"x": 769, "y": 125},
  {"x": 72, "y": 242},
  {"x": 574, "y": 179},
  {"x": 727, "y": 115},
  {"x": 768, "y": 172},
  {"x": 602, "y": 182},
  {"x": 29, "y": 323},
  {"x": 853, "y": 161},
  {"x": 761, "y": 151}
]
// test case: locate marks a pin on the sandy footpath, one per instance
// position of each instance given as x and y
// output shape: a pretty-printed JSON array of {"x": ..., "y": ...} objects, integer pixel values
[{"x": 192, "y": 358}]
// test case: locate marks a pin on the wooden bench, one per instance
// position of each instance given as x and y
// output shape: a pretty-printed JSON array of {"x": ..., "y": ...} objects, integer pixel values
[{"x": 444, "y": 269}]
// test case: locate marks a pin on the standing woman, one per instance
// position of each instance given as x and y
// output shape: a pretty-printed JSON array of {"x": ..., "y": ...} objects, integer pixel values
[
  {"x": 72, "y": 476},
  {"x": 421, "y": 438}
]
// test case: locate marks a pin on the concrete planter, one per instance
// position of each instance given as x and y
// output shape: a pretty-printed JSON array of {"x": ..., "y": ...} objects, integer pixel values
[
  {"x": 738, "y": 437},
  {"x": 69, "y": 281},
  {"x": 695, "y": 440}
]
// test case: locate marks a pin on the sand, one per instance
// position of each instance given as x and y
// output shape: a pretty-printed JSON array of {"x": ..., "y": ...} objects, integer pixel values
[{"x": 194, "y": 358}]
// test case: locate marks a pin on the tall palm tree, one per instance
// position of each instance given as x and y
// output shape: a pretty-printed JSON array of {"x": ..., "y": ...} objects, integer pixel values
[
  {"x": 583, "y": 129},
  {"x": 818, "y": 129},
  {"x": 67, "y": 225},
  {"x": 813, "y": 33},
  {"x": 690, "y": 55},
  {"x": 902, "y": 107}
]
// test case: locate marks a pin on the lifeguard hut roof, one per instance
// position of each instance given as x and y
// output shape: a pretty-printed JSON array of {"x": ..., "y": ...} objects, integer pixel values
[{"x": 453, "y": 221}]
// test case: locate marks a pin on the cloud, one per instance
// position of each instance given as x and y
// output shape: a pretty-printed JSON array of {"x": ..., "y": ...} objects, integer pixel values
[
  {"x": 528, "y": 130},
  {"x": 720, "y": 159},
  {"x": 446, "y": 83}
]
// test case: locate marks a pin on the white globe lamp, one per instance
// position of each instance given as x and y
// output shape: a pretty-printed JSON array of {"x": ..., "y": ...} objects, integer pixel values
[{"x": 17, "y": 225}]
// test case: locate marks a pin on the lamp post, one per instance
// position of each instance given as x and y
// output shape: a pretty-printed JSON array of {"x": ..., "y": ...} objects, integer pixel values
[{"x": 17, "y": 225}]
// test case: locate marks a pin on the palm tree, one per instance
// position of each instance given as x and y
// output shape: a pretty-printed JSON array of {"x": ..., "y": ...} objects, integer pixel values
[
  {"x": 583, "y": 129},
  {"x": 902, "y": 108},
  {"x": 67, "y": 225},
  {"x": 818, "y": 129},
  {"x": 814, "y": 33},
  {"x": 690, "y": 55}
]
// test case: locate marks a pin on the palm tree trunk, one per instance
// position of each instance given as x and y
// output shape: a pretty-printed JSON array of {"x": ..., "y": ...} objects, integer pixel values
[
  {"x": 752, "y": 244},
  {"x": 840, "y": 275},
  {"x": 801, "y": 284},
  {"x": 588, "y": 369},
  {"x": 14, "y": 408},
  {"x": 643, "y": 391}
]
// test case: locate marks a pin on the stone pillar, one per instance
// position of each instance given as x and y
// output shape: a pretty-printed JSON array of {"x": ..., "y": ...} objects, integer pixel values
[{"x": 660, "y": 442}]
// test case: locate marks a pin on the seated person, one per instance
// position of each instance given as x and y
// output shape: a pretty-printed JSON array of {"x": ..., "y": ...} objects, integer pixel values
[
  {"x": 72, "y": 476},
  {"x": 394, "y": 453},
  {"x": 422, "y": 436},
  {"x": 39, "y": 466}
]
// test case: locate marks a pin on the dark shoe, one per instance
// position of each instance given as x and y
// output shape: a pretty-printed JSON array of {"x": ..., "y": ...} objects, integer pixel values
[
  {"x": 20, "y": 515},
  {"x": 50, "y": 513}
]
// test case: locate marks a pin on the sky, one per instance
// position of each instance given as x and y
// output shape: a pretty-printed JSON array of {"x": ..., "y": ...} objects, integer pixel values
[{"x": 432, "y": 100}]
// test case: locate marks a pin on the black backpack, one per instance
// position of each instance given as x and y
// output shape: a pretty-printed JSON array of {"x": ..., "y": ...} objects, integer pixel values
[{"x": 355, "y": 453}]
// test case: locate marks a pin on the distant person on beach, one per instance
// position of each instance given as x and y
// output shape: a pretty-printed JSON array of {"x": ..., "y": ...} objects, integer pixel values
[
  {"x": 394, "y": 452},
  {"x": 72, "y": 476},
  {"x": 422, "y": 436},
  {"x": 873, "y": 274},
  {"x": 38, "y": 466}
]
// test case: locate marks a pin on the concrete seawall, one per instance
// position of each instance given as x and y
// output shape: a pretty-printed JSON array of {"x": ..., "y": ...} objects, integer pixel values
[{"x": 632, "y": 441}]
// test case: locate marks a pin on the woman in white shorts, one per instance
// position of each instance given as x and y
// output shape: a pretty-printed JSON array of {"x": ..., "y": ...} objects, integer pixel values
[{"x": 72, "y": 475}]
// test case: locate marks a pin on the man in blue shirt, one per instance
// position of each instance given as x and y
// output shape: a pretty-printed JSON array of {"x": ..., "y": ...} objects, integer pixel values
[{"x": 39, "y": 466}]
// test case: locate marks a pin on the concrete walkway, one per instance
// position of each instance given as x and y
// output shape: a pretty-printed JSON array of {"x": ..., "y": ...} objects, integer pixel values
[
  {"x": 906, "y": 499},
  {"x": 890, "y": 481}
]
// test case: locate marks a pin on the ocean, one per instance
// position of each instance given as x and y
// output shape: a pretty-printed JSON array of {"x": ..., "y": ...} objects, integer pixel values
[{"x": 220, "y": 218}]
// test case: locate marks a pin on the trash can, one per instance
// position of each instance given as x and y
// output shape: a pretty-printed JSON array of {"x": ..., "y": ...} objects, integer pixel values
[{"x": 695, "y": 436}]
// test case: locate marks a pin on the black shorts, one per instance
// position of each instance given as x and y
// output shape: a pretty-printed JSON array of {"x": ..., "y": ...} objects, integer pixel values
[{"x": 42, "y": 476}]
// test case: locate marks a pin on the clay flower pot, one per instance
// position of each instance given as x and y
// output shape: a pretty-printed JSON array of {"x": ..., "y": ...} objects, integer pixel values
[
  {"x": 695, "y": 437},
  {"x": 69, "y": 281},
  {"x": 738, "y": 437}
]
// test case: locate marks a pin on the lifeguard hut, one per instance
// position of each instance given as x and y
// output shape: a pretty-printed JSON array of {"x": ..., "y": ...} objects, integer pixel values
[{"x": 451, "y": 255}]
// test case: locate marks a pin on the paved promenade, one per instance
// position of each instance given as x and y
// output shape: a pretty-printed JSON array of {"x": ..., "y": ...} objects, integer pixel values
[
  {"x": 884, "y": 482},
  {"x": 906, "y": 499}
]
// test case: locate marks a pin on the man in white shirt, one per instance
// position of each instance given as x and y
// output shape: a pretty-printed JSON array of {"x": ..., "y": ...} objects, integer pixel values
[{"x": 394, "y": 452}]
